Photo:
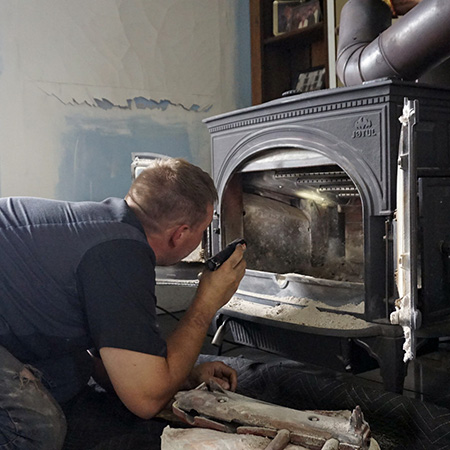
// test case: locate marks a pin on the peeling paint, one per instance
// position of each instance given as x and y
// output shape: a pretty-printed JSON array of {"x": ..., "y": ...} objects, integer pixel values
[
  {"x": 139, "y": 102},
  {"x": 143, "y": 103},
  {"x": 104, "y": 103}
]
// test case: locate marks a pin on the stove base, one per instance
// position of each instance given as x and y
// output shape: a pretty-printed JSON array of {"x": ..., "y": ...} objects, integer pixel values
[{"x": 343, "y": 352}]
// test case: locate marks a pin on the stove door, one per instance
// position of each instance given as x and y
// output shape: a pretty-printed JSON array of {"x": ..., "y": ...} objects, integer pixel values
[{"x": 406, "y": 313}]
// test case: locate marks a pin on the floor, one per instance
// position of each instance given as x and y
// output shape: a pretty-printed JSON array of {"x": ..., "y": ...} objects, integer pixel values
[
  {"x": 417, "y": 420},
  {"x": 428, "y": 376}
]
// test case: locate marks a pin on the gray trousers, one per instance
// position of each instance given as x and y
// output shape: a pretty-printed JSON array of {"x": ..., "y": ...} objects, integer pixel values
[{"x": 30, "y": 418}]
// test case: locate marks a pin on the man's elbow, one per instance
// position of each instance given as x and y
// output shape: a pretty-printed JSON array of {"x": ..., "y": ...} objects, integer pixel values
[
  {"x": 147, "y": 409},
  {"x": 145, "y": 414}
]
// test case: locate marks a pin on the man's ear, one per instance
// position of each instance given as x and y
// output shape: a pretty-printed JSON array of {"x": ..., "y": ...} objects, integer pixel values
[{"x": 178, "y": 235}]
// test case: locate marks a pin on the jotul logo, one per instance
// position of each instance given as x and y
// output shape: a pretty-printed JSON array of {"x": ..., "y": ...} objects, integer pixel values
[{"x": 363, "y": 128}]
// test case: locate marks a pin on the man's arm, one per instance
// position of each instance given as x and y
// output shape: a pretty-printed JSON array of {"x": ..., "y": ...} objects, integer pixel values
[
  {"x": 401, "y": 7},
  {"x": 146, "y": 383}
]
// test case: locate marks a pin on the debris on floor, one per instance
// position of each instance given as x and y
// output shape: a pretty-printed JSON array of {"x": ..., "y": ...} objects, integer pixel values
[
  {"x": 205, "y": 439},
  {"x": 240, "y": 420}
]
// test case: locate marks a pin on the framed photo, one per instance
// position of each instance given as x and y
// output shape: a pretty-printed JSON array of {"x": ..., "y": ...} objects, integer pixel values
[
  {"x": 294, "y": 15},
  {"x": 310, "y": 80}
]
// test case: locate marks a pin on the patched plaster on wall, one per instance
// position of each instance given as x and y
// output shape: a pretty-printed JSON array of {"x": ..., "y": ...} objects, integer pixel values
[
  {"x": 117, "y": 50},
  {"x": 91, "y": 74},
  {"x": 130, "y": 103}
]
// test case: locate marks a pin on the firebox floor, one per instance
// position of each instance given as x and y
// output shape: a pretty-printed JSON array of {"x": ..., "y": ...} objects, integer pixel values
[{"x": 418, "y": 419}]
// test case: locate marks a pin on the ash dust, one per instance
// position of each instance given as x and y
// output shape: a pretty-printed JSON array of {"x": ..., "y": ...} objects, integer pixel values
[{"x": 309, "y": 315}]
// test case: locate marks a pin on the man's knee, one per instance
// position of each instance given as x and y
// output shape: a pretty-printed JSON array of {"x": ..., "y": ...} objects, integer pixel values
[
  {"x": 29, "y": 416},
  {"x": 45, "y": 412}
]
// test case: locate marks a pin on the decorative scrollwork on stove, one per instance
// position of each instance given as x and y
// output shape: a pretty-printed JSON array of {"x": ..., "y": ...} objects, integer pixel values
[{"x": 299, "y": 112}]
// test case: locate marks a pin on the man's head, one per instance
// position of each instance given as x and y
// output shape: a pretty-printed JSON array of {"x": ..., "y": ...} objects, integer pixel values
[{"x": 173, "y": 200}]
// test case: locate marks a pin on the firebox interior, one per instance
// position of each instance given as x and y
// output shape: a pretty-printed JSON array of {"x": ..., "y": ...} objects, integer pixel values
[{"x": 301, "y": 214}]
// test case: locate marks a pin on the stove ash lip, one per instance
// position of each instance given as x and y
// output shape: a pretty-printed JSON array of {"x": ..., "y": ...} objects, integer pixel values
[
  {"x": 266, "y": 316},
  {"x": 302, "y": 286},
  {"x": 283, "y": 278},
  {"x": 312, "y": 306}
]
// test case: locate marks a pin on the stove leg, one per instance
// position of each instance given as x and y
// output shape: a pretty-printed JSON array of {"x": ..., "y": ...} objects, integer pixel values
[{"x": 388, "y": 351}]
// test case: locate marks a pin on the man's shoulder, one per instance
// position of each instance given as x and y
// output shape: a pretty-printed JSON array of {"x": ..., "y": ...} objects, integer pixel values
[
  {"x": 89, "y": 222},
  {"x": 35, "y": 211}
]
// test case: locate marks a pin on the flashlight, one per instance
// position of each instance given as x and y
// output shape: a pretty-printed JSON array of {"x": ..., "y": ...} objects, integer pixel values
[{"x": 218, "y": 259}]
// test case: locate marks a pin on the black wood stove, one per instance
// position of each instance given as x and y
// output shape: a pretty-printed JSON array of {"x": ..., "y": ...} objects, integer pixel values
[{"x": 343, "y": 196}]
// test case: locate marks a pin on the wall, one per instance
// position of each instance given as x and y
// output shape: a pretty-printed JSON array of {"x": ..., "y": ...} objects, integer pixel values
[{"x": 84, "y": 83}]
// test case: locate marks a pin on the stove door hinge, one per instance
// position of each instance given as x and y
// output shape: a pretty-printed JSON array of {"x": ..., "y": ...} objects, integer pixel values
[
  {"x": 389, "y": 248},
  {"x": 407, "y": 262}
]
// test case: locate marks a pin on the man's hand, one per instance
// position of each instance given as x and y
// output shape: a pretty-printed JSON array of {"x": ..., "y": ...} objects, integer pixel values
[
  {"x": 401, "y": 7},
  {"x": 223, "y": 375},
  {"x": 219, "y": 286}
]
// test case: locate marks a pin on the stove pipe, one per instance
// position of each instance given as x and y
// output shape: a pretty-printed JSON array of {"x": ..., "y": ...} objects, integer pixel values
[{"x": 370, "y": 47}]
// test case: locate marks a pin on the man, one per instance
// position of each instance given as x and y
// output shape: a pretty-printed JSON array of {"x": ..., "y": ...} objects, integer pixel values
[
  {"x": 75, "y": 276},
  {"x": 401, "y": 7}
]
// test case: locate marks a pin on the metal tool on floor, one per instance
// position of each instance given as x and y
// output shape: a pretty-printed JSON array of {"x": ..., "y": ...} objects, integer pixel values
[{"x": 214, "y": 408}]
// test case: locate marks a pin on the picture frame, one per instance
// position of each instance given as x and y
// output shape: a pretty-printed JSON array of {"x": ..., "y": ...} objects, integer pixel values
[{"x": 293, "y": 15}]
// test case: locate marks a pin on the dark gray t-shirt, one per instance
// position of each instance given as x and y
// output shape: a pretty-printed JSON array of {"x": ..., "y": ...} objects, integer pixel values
[{"x": 75, "y": 275}]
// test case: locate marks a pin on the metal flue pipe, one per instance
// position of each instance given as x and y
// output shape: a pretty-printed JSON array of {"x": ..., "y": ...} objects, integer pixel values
[{"x": 370, "y": 47}]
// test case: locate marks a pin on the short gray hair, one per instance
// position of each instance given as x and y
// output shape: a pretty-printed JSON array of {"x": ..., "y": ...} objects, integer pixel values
[{"x": 172, "y": 191}]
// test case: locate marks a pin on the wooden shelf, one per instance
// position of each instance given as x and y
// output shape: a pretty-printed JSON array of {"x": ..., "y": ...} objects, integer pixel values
[
  {"x": 278, "y": 60},
  {"x": 303, "y": 36}
]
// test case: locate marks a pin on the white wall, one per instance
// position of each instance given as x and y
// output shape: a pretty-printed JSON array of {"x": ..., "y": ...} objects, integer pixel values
[{"x": 85, "y": 83}]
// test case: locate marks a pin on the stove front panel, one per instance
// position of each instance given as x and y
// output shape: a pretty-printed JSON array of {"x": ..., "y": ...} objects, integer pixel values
[{"x": 310, "y": 182}]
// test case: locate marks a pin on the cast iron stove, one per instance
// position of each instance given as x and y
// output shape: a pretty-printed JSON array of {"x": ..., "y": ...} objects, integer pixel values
[{"x": 343, "y": 197}]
